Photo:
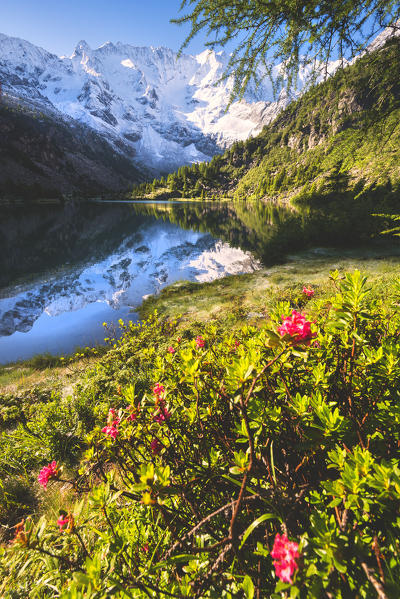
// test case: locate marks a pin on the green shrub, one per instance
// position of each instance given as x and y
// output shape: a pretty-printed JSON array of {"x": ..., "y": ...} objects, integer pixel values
[{"x": 185, "y": 485}]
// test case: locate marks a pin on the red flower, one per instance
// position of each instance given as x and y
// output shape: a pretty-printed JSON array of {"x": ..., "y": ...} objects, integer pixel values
[
  {"x": 171, "y": 349},
  {"x": 297, "y": 327},
  {"x": 156, "y": 446},
  {"x": 200, "y": 341},
  {"x": 65, "y": 521},
  {"x": 308, "y": 291},
  {"x": 285, "y": 554},
  {"x": 162, "y": 415},
  {"x": 158, "y": 390},
  {"x": 48, "y": 472},
  {"x": 110, "y": 431}
]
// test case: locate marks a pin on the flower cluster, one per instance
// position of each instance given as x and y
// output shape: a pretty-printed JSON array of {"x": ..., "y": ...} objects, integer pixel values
[
  {"x": 65, "y": 522},
  {"x": 285, "y": 554},
  {"x": 48, "y": 472},
  {"x": 111, "y": 430},
  {"x": 158, "y": 391},
  {"x": 297, "y": 327},
  {"x": 200, "y": 341},
  {"x": 308, "y": 291}
]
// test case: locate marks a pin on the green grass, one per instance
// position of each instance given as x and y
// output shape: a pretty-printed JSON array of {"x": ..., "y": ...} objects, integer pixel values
[{"x": 240, "y": 295}]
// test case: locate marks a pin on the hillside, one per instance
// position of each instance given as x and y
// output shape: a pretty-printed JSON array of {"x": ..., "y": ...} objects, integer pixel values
[
  {"x": 339, "y": 140},
  {"x": 46, "y": 155}
]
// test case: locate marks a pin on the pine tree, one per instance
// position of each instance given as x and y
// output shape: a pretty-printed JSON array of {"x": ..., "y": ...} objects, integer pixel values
[{"x": 295, "y": 32}]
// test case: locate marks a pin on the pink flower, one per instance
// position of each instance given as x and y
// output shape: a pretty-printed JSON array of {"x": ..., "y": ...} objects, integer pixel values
[
  {"x": 171, "y": 349},
  {"x": 156, "y": 446},
  {"x": 200, "y": 341},
  {"x": 297, "y": 327},
  {"x": 162, "y": 415},
  {"x": 285, "y": 554},
  {"x": 62, "y": 521},
  {"x": 158, "y": 390},
  {"x": 110, "y": 431},
  {"x": 145, "y": 548},
  {"x": 48, "y": 472},
  {"x": 308, "y": 291},
  {"x": 112, "y": 419}
]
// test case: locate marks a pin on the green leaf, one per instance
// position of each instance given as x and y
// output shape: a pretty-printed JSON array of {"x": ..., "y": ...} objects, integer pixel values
[
  {"x": 248, "y": 587},
  {"x": 235, "y": 470},
  {"x": 254, "y": 525}
]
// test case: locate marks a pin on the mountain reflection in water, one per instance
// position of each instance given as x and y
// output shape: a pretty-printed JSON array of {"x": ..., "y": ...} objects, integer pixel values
[{"x": 65, "y": 270}]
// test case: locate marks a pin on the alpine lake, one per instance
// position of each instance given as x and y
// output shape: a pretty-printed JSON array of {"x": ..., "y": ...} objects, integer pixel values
[{"x": 68, "y": 267}]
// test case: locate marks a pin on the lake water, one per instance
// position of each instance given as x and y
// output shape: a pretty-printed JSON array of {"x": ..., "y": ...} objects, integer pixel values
[{"x": 66, "y": 269}]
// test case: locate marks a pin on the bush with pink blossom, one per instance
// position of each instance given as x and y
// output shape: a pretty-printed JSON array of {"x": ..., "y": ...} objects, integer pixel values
[{"x": 260, "y": 464}]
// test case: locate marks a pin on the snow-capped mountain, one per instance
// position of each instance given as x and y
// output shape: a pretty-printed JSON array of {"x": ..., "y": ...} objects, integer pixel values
[
  {"x": 158, "y": 110},
  {"x": 165, "y": 109}
]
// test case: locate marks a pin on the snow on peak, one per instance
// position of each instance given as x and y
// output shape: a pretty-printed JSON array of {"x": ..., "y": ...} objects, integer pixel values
[
  {"x": 81, "y": 47},
  {"x": 162, "y": 110}
]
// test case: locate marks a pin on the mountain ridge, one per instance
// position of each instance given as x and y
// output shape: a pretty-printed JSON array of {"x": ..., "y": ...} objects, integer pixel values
[{"x": 166, "y": 109}]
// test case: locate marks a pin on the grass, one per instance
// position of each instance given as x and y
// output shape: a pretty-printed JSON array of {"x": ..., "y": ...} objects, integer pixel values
[
  {"x": 244, "y": 295},
  {"x": 45, "y": 370}
]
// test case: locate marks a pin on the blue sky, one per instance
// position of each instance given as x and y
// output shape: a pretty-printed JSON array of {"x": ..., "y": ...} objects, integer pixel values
[{"x": 57, "y": 25}]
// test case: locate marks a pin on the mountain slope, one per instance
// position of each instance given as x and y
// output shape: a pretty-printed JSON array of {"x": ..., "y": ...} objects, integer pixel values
[
  {"x": 167, "y": 110},
  {"x": 342, "y": 137},
  {"x": 43, "y": 154}
]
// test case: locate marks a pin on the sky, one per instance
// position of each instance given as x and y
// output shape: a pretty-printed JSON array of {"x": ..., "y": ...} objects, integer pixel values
[{"x": 58, "y": 26}]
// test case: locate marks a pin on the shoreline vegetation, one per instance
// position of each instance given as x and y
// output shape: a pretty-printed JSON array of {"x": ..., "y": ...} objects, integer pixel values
[
  {"x": 112, "y": 434},
  {"x": 192, "y": 300}
]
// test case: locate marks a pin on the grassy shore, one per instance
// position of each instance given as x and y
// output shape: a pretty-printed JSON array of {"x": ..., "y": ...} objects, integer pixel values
[
  {"x": 234, "y": 299},
  {"x": 249, "y": 296}
]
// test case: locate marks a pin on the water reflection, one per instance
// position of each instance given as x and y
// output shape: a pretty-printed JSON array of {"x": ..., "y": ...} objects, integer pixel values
[
  {"x": 65, "y": 269},
  {"x": 95, "y": 264}
]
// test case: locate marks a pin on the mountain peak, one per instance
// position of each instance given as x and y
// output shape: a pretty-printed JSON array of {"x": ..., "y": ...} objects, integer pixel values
[{"x": 81, "y": 48}]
